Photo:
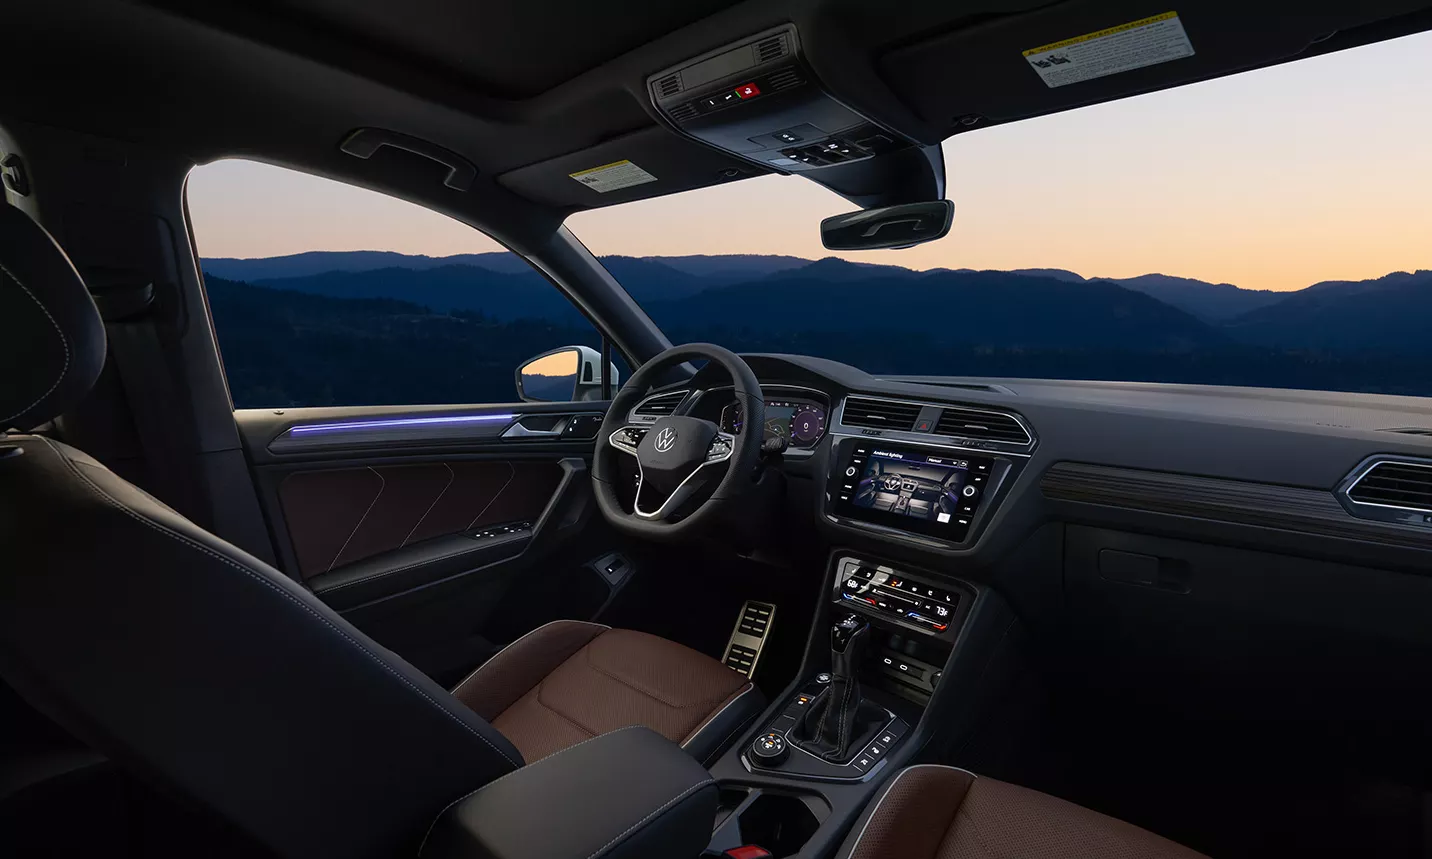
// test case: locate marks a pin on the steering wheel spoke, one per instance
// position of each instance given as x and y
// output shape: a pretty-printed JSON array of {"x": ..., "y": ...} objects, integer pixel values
[
  {"x": 721, "y": 448},
  {"x": 627, "y": 439}
]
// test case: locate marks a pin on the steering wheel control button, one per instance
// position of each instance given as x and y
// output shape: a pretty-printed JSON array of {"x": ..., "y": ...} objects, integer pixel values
[{"x": 769, "y": 749}]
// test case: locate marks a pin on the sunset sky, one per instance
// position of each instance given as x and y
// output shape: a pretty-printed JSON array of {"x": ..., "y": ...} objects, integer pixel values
[{"x": 1275, "y": 179}]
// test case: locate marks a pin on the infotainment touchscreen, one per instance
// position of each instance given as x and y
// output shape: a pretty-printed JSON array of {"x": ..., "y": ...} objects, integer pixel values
[{"x": 927, "y": 491}]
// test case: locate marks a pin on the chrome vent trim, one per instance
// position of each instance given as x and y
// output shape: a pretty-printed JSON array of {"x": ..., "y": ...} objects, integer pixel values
[
  {"x": 871, "y": 413},
  {"x": 1393, "y": 483},
  {"x": 978, "y": 429},
  {"x": 962, "y": 422},
  {"x": 669, "y": 85}
]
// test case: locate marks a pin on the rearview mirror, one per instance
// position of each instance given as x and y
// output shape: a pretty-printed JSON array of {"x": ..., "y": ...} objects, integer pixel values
[
  {"x": 563, "y": 375},
  {"x": 888, "y": 227}
]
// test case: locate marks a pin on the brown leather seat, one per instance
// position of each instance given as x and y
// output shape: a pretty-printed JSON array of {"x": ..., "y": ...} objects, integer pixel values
[
  {"x": 937, "y": 812},
  {"x": 569, "y": 681}
]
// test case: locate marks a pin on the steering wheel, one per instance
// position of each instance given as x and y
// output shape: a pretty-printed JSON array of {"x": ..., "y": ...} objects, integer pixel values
[{"x": 679, "y": 454}]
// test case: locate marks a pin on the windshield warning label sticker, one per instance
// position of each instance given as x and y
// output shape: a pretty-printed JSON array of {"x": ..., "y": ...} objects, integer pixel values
[
  {"x": 1134, "y": 45},
  {"x": 613, "y": 177}
]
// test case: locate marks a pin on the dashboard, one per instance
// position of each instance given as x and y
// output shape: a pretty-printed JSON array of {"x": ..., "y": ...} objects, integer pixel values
[{"x": 954, "y": 468}]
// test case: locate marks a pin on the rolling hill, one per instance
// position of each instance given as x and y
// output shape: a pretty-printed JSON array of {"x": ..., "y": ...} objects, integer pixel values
[
  {"x": 990, "y": 309},
  {"x": 1390, "y": 314},
  {"x": 771, "y": 293}
]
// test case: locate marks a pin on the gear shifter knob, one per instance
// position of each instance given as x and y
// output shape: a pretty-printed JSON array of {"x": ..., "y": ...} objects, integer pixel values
[
  {"x": 841, "y": 720},
  {"x": 852, "y": 628}
]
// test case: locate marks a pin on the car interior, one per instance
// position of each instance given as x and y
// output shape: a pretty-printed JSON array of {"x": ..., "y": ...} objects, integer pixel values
[{"x": 742, "y": 605}]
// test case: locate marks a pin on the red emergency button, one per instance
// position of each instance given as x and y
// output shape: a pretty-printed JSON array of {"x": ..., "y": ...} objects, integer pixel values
[{"x": 748, "y": 90}]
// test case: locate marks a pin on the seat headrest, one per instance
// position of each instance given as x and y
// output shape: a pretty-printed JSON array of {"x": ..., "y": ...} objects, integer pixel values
[{"x": 51, "y": 337}]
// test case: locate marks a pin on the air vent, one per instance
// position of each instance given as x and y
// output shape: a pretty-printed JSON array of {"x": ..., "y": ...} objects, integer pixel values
[
  {"x": 661, "y": 405},
  {"x": 1406, "y": 485},
  {"x": 669, "y": 85},
  {"x": 879, "y": 414},
  {"x": 1412, "y": 430},
  {"x": 973, "y": 423},
  {"x": 683, "y": 112},
  {"x": 768, "y": 50},
  {"x": 784, "y": 79}
]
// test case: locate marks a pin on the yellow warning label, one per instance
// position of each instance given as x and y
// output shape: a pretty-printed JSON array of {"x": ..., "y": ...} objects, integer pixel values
[
  {"x": 1112, "y": 31},
  {"x": 1135, "y": 45},
  {"x": 613, "y": 177}
]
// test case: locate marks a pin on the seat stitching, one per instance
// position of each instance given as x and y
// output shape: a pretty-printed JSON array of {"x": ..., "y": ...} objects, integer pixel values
[
  {"x": 962, "y": 814},
  {"x": 600, "y": 670},
  {"x": 64, "y": 342},
  {"x": 740, "y": 693},
  {"x": 660, "y": 811},
  {"x": 537, "y": 697},
  {"x": 104, "y": 496},
  {"x": 493, "y": 658}
]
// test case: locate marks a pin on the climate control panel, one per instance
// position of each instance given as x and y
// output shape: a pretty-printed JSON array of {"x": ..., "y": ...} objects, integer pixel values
[{"x": 913, "y": 601}]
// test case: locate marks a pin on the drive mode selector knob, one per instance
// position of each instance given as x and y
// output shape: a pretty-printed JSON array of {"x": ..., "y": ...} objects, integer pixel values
[{"x": 769, "y": 749}]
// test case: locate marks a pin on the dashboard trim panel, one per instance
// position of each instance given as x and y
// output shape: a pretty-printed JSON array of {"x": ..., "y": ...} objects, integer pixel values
[{"x": 1287, "y": 508}]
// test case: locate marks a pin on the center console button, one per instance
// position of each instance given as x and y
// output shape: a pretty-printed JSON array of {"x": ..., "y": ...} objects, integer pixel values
[{"x": 769, "y": 749}]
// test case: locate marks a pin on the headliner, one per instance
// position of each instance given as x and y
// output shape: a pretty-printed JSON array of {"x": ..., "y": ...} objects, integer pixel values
[{"x": 530, "y": 91}]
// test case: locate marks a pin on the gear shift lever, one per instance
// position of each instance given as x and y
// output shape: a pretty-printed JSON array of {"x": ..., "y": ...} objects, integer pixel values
[{"x": 841, "y": 720}]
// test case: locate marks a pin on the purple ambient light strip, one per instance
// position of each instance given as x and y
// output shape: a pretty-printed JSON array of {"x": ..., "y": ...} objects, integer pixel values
[{"x": 398, "y": 422}]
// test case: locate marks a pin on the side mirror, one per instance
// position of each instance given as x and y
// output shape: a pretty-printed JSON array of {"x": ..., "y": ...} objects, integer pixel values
[
  {"x": 888, "y": 227},
  {"x": 563, "y": 375}
]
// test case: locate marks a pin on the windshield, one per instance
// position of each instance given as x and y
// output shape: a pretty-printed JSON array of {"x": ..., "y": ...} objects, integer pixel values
[{"x": 1265, "y": 229}]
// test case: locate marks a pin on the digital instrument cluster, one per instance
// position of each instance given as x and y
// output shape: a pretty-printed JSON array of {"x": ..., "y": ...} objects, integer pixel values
[{"x": 800, "y": 422}]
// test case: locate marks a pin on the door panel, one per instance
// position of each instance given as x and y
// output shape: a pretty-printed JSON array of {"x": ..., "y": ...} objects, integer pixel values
[
  {"x": 415, "y": 523},
  {"x": 338, "y": 516}
]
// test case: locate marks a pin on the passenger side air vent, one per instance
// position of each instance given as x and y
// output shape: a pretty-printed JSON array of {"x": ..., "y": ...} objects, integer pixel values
[
  {"x": 660, "y": 405},
  {"x": 879, "y": 414},
  {"x": 1406, "y": 485},
  {"x": 974, "y": 423},
  {"x": 669, "y": 85},
  {"x": 769, "y": 50},
  {"x": 683, "y": 112}
]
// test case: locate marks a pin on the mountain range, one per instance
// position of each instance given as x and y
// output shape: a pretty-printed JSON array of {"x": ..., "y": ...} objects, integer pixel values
[{"x": 772, "y": 295}]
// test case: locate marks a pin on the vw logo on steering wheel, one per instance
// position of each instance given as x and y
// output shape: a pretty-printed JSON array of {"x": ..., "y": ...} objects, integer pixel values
[{"x": 665, "y": 440}]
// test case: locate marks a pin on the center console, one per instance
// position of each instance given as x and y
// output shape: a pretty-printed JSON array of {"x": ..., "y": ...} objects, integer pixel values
[{"x": 889, "y": 665}]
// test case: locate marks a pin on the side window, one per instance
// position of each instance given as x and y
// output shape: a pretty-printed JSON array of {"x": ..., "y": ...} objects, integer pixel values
[{"x": 324, "y": 294}]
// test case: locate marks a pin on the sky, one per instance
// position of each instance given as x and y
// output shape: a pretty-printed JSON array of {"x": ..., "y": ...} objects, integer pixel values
[{"x": 1273, "y": 179}]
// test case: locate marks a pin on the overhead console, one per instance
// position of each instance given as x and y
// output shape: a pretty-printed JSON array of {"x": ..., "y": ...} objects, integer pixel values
[{"x": 758, "y": 99}]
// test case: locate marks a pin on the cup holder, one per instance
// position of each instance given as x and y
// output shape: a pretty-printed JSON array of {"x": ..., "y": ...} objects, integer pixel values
[{"x": 780, "y": 821}]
